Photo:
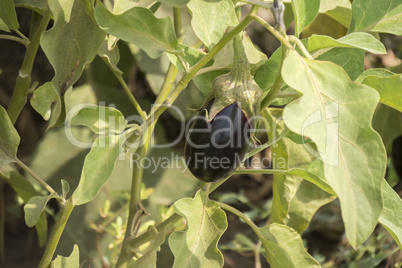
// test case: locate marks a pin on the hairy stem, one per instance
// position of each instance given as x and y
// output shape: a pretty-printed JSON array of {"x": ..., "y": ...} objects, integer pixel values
[
  {"x": 35, "y": 176},
  {"x": 294, "y": 39},
  {"x": 241, "y": 216},
  {"x": 23, "y": 81},
  {"x": 56, "y": 234}
]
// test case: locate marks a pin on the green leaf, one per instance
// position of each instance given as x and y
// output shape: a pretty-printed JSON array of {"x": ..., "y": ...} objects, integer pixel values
[
  {"x": 340, "y": 10},
  {"x": 374, "y": 72},
  {"x": 65, "y": 188},
  {"x": 8, "y": 16},
  {"x": 190, "y": 55},
  {"x": 69, "y": 37},
  {"x": 353, "y": 40},
  {"x": 377, "y": 16},
  {"x": 266, "y": 74},
  {"x": 21, "y": 186},
  {"x": 35, "y": 207},
  {"x": 211, "y": 18},
  {"x": 390, "y": 89},
  {"x": 204, "y": 82},
  {"x": 140, "y": 27},
  {"x": 98, "y": 166},
  {"x": 100, "y": 119},
  {"x": 175, "y": 3},
  {"x": 336, "y": 114},
  {"x": 38, "y": 6},
  {"x": 121, "y": 6},
  {"x": 391, "y": 216},
  {"x": 9, "y": 139},
  {"x": 304, "y": 11},
  {"x": 112, "y": 56},
  {"x": 388, "y": 123},
  {"x": 73, "y": 261},
  {"x": 350, "y": 59},
  {"x": 206, "y": 222},
  {"x": 26, "y": 191},
  {"x": 284, "y": 247},
  {"x": 47, "y": 102}
]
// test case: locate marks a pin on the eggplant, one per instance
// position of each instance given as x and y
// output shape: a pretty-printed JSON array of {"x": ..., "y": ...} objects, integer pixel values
[{"x": 215, "y": 148}]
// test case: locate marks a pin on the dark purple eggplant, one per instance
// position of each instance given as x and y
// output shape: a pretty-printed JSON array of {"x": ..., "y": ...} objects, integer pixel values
[{"x": 215, "y": 149}]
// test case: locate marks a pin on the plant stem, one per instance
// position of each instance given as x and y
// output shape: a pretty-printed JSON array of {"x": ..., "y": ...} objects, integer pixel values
[
  {"x": 56, "y": 234},
  {"x": 130, "y": 95},
  {"x": 35, "y": 176},
  {"x": 133, "y": 217},
  {"x": 149, "y": 235},
  {"x": 178, "y": 24},
  {"x": 14, "y": 38},
  {"x": 193, "y": 70},
  {"x": 300, "y": 45},
  {"x": 241, "y": 216},
  {"x": 284, "y": 41},
  {"x": 23, "y": 81}
]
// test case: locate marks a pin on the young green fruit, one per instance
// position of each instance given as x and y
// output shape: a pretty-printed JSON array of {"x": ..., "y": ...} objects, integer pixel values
[{"x": 214, "y": 149}]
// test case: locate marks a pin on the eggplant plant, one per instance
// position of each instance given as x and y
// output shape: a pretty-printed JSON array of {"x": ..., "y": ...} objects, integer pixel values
[{"x": 314, "y": 104}]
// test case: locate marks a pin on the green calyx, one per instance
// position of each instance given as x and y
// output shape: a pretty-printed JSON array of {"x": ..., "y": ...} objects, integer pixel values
[{"x": 237, "y": 86}]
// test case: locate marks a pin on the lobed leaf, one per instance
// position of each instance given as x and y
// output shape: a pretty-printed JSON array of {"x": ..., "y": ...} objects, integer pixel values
[
  {"x": 377, "y": 16},
  {"x": 304, "y": 12},
  {"x": 391, "y": 215},
  {"x": 98, "y": 166},
  {"x": 139, "y": 26},
  {"x": 363, "y": 41},
  {"x": 8, "y": 16},
  {"x": 336, "y": 114},
  {"x": 284, "y": 247},
  {"x": 100, "y": 119},
  {"x": 68, "y": 45},
  {"x": 206, "y": 222},
  {"x": 73, "y": 261},
  {"x": 211, "y": 18},
  {"x": 112, "y": 56},
  {"x": 9, "y": 139}
]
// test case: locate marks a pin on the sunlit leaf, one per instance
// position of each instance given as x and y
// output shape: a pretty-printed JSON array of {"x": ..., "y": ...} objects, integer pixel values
[
  {"x": 391, "y": 216},
  {"x": 336, "y": 114},
  {"x": 284, "y": 247},
  {"x": 100, "y": 119},
  {"x": 340, "y": 10},
  {"x": 211, "y": 18},
  {"x": 377, "y": 16},
  {"x": 69, "y": 37},
  {"x": 9, "y": 139},
  {"x": 304, "y": 11},
  {"x": 98, "y": 166},
  {"x": 175, "y": 3},
  {"x": 206, "y": 222},
  {"x": 112, "y": 56},
  {"x": 73, "y": 261},
  {"x": 139, "y": 26},
  {"x": 8, "y": 16},
  {"x": 353, "y": 40}
]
